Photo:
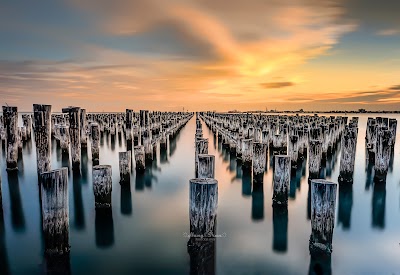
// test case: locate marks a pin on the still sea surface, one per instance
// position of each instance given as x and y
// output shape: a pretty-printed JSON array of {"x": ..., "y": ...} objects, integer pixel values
[{"x": 147, "y": 232}]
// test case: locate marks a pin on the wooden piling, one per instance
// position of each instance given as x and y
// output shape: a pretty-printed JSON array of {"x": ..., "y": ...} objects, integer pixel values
[
  {"x": 102, "y": 185},
  {"x": 125, "y": 161},
  {"x": 206, "y": 166},
  {"x": 281, "y": 180},
  {"x": 10, "y": 120}
]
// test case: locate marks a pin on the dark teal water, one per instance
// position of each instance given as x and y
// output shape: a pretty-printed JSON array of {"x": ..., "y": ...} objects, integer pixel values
[{"x": 146, "y": 231}]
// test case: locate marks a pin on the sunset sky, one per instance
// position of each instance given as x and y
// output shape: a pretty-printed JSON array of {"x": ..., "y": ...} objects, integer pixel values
[{"x": 201, "y": 55}]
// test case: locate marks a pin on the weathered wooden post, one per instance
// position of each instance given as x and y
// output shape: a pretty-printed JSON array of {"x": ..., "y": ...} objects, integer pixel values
[
  {"x": 259, "y": 160},
  {"x": 314, "y": 157},
  {"x": 84, "y": 127},
  {"x": 293, "y": 150},
  {"x": 203, "y": 200},
  {"x": 125, "y": 162},
  {"x": 201, "y": 147},
  {"x": 64, "y": 138},
  {"x": 139, "y": 157},
  {"x": 75, "y": 135},
  {"x": 27, "y": 121},
  {"x": 323, "y": 202},
  {"x": 382, "y": 154},
  {"x": 128, "y": 129},
  {"x": 247, "y": 153},
  {"x": 281, "y": 180},
  {"x": 95, "y": 136},
  {"x": 42, "y": 119},
  {"x": 55, "y": 211},
  {"x": 10, "y": 117},
  {"x": 348, "y": 155},
  {"x": 102, "y": 185},
  {"x": 206, "y": 166}
]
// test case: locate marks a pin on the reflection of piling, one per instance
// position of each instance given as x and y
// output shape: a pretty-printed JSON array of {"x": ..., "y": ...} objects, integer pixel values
[
  {"x": 95, "y": 137},
  {"x": 102, "y": 185},
  {"x": 139, "y": 158},
  {"x": 259, "y": 160},
  {"x": 378, "y": 205},
  {"x": 280, "y": 221},
  {"x": 281, "y": 179},
  {"x": 320, "y": 263},
  {"x": 257, "y": 202},
  {"x": 104, "y": 228},
  {"x": 323, "y": 201},
  {"x": 55, "y": 211},
  {"x": 125, "y": 166},
  {"x": 206, "y": 166},
  {"x": 345, "y": 205},
  {"x": 10, "y": 120},
  {"x": 348, "y": 154},
  {"x": 314, "y": 157},
  {"x": 203, "y": 200}
]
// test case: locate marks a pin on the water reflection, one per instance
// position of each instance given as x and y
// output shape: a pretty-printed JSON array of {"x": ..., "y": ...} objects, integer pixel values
[
  {"x": 246, "y": 182},
  {"x": 320, "y": 264},
  {"x": 345, "y": 205},
  {"x": 57, "y": 264},
  {"x": 202, "y": 255},
  {"x": 126, "y": 199},
  {"x": 17, "y": 212},
  {"x": 378, "y": 205},
  {"x": 257, "y": 206},
  {"x": 280, "y": 228},
  {"x": 104, "y": 228},
  {"x": 4, "y": 268},
  {"x": 79, "y": 214}
]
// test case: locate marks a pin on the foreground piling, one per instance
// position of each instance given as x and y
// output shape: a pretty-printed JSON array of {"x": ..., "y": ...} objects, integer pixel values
[
  {"x": 281, "y": 180},
  {"x": 203, "y": 200},
  {"x": 55, "y": 211},
  {"x": 102, "y": 185},
  {"x": 125, "y": 162},
  {"x": 323, "y": 203},
  {"x": 10, "y": 119}
]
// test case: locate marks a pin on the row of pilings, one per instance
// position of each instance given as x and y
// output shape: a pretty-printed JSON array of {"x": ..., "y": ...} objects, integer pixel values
[
  {"x": 74, "y": 130},
  {"x": 292, "y": 140},
  {"x": 203, "y": 203}
]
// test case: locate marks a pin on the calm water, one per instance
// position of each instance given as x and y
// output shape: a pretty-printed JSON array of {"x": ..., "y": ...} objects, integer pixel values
[{"x": 145, "y": 233}]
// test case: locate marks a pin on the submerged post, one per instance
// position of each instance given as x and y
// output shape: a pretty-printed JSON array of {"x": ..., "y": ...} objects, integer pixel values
[
  {"x": 206, "y": 166},
  {"x": 55, "y": 211},
  {"x": 382, "y": 153},
  {"x": 323, "y": 203},
  {"x": 281, "y": 180},
  {"x": 102, "y": 185},
  {"x": 125, "y": 161},
  {"x": 10, "y": 116}
]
